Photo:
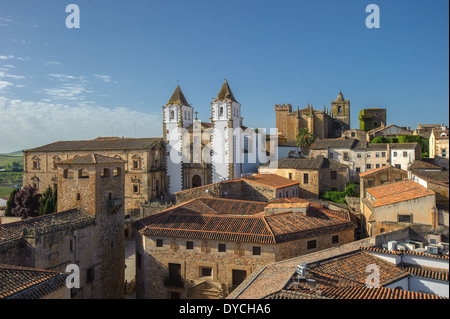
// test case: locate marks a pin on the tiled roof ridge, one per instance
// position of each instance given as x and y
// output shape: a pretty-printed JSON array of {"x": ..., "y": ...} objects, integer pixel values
[
  {"x": 400, "y": 252},
  {"x": 426, "y": 272}
]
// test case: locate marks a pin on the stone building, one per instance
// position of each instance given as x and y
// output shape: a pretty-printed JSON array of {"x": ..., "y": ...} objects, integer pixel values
[
  {"x": 361, "y": 156},
  {"x": 321, "y": 123},
  {"x": 315, "y": 175},
  {"x": 86, "y": 231},
  {"x": 391, "y": 206},
  {"x": 389, "y": 131},
  {"x": 372, "y": 118},
  {"x": 257, "y": 187},
  {"x": 206, "y": 247},
  {"x": 144, "y": 172},
  {"x": 438, "y": 143}
]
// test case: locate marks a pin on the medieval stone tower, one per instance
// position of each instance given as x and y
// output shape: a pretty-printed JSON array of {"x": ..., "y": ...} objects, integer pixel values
[
  {"x": 225, "y": 118},
  {"x": 340, "y": 110},
  {"x": 95, "y": 184},
  {"x": 177, "y": 115}
]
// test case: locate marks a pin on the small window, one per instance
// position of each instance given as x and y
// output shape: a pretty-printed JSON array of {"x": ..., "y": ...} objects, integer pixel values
[
  {"x": 405, "y": 218},
  {"x": 333, "y": 175},
  {"x": 172, "y": 115},
  {"x": 290, "y": 175},
  {"x": 90, "y": 274},
  {"x": 383, "y": 154},
  {"x": 117, "y": 172},
  {"x": 106, "y": 173},
  {"x": 305, "y": 178},
  {"x": 377, "y": 154},
  {"x": 189, "y": 245},
  {"x": 221, "y": 111},
  {"x": 136, "y": 164},
  {"x": 222, "y": 248},
  {"x": 345, "y": 156},
  {"x": 377, "y": 165},
  {"x": 405, "y": 154},
  {"x": 256, "y": 250},
  {"x": 395, "y": 154},
  {"x": 312, "y": 244},
  {"x": 353, "y": 134},
  {"x": 368, "y": 154},
  {"x": 358, "y": 169},
  {"x": 444, "y": 152},
  {"x": 78, "y": 196},
  {"x": 358, "y": 155},
  {"x": 335, "y": 239},
  {"x": 159, "y": 243},
  {"x": 398, "y": 166},
  {"x": 135, "y": 189},
  {"x": 331, "y": 154},
  {"x": 206, "y": 272},
  {"x": 368, "y": 166}
]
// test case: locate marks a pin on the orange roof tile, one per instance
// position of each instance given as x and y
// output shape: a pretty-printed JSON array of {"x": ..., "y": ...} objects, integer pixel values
[
  {"x": 398, "y": 192},
  {"x": 270, "y": 180}
]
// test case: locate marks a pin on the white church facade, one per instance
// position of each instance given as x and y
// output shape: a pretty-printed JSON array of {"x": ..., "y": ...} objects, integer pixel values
[{"x": 200, "y": 153}]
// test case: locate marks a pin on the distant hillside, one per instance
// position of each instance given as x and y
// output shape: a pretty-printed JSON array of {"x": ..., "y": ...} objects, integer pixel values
[{"x": 9, "y": 158}]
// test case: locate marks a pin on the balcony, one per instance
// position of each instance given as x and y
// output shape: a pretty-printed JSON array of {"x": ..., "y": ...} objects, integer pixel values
[{"x": 173, "y": 282}]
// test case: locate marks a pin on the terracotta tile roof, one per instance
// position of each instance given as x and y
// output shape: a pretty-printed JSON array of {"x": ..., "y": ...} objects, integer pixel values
[
  {"x": 270, "y": 180},
  {"x": 101, "y": 143},
  {"x": 351, "y": 269},
  {"x": 419, "y": 165},
  {"x": 28, "y": 283},
  {"x": 374, "y": 293},
  {"x": 237, "y": 220},
  {"x": 426, "y": 272},
  {"x": 398, "y": 192},
  {"x": 92, "y": 158}
]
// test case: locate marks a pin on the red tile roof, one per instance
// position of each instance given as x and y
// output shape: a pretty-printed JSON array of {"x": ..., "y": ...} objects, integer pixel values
[
  {"x": 270, "y": 180},
  {"x": 24, "y": 283},
  {"x": 398, "y": 192},
  {"x": 244, "y": 221}
]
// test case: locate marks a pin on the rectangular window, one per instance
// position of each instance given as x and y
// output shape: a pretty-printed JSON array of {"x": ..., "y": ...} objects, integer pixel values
[
  {"x": 369, "y": 166},
  {"x": 405, "y": 218},
  {"x": 377, "y": 154},
  {"x": 405, "y": 154},
  {"x": 311, "y": 244},
  {"x": 333, "y": 175},
  {"x": 305, "y": 178},
  {"x": 335, "y": 239},
  {"x": 358, "y": 169},
  {"x": 256, "y": 250},
  {"x": 222, "y": 248},
  {"x": 383, "y": 154},
  {"x": 377, "y": 165},
  {"x": 358, "y": 155},
  {"x": 444, "y": 152},
  {"x": 345, "y": 156},
  {"x": 206, "y": 272},
  {"x": 174, "y": 271},
  {"x": 189, "y": 245},
  {"x": 398, "y": 166},
  {"x": 159, "y": 243},
  {"x": 331, "y": 155},
  {"x": 290, "y": 175},
  {"x": 368, "y": 154},
  {"x": 135, "y": 189},
  {"x": 395, "y": 154}
]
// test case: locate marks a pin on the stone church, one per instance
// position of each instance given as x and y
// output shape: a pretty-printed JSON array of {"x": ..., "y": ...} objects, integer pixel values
[{"x": 321, "y": 123}]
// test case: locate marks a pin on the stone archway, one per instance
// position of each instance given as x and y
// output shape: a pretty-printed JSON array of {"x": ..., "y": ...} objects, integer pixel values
[{"x": 196, "y": 181}]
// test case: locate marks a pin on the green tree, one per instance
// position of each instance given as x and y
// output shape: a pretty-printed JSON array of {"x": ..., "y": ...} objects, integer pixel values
[
  {"x": 304, "y": 140},
  {"x": 47, "y": 203},
  {"x": 379, "y": 139},
  {"x": 10, "y": 204}
]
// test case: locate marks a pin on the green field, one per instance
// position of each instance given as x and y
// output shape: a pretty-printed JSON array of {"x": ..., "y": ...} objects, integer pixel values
[
  {"x": 10, "y": 172},
  {"x": 6, "y": 160},
  {"x": 5, "y": 191}
]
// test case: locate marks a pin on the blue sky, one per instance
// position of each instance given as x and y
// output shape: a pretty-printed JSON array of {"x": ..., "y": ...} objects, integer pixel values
[{"x": 112, "y": 75}]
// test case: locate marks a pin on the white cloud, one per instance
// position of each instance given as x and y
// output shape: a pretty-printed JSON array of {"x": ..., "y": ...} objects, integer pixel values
[
  {"x": 6, "y": 57},
  {"x": 4, "y": 84},
  {"x": 104, "y": 78},
  {"x": 56, "y": 63},
  {"x": 27, "y": 124}
]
